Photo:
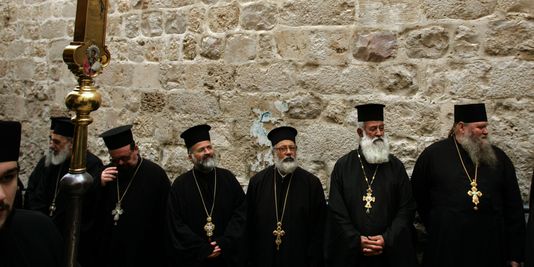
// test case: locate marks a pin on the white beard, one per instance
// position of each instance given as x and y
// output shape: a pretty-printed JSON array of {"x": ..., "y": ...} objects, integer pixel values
[
  {"x": 286, "y": 165},
  {"x": 58, "y": 159},
  {"x": 375, "y": 150},
  {"x": 206, "y": 164},
  {"x": 479, "y": 150}
]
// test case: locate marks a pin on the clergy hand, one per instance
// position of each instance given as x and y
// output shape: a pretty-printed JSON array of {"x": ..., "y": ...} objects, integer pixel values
[
  {"x": 109, "y": 174},
  {"x": 216, "y": 250},
  {"x": 372, "y": 245},
  {"x": 515, "y": 264}
]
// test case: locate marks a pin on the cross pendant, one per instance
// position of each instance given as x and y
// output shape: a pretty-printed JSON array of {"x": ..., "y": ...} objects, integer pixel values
[
  {"x": 209, "y": 227},
  {"x": 368, "y": 198},
  {"x": 278, "y": 233},
  {"x": 117, "y": 212},
  {"x": 474, "y": 194},
  {"x": 52, "y": 209}
]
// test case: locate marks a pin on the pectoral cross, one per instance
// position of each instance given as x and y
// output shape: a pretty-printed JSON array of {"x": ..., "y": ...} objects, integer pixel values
[
  {"x": 209, "y": 227},
  {"x": 474, "y": 194},
  {"x": 368, "y": 198},
  {"x": 117, "y": 212},
  {"x": 52, "y": 209},
  {"x": 278, "y": 233}
]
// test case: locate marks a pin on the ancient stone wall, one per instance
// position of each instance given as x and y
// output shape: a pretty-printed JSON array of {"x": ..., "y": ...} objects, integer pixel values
[{"x": 247, "y": 66}]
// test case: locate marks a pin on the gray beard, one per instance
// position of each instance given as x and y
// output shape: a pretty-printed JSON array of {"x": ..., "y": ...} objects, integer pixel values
[
  {"x": 375, "y": 150},
  {"x": 286, "y": 165},
  {"x": 205, "y": 165},
  {"x": 479, "y": 150},
  {"x": 56, "y": 159}
]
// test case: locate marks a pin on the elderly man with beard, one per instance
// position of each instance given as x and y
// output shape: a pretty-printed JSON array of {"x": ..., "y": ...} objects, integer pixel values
[
  {"x": 48, "y": 197},
  {"x": 205, "y": 214},
  {"x": 371, "y": 208},
  {"x": 286, "y": 210},
  {"x": 130, "y": 221},
  {"x": 27, "y": 238},
  {"x": 468, "y": 197}
]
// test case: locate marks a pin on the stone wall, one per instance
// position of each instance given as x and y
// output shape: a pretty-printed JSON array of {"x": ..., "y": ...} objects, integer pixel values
[{"x": 247, "y": 66}]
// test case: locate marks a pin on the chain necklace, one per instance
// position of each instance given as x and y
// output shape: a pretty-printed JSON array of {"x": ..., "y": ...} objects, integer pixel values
[
  {"x": 209, "y": 227},
  {"x": 368, "y": 198},
  {"x": 474, "y": 193},
  {"x": 279, "y": 232},
  {"x": 53, "y": 207},
  {"x": 118, "y": 211}
]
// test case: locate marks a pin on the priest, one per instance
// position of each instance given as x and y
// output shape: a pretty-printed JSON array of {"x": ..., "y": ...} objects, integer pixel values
[
  {"x": 205, "y": 215},
  {"x": 468, "y": 197},
  {"x": 286, "y": 210},
  {"x": 132, "y": 205},
  {"x": 371, "y": 208},
  {"x": 27, "y": 238}
]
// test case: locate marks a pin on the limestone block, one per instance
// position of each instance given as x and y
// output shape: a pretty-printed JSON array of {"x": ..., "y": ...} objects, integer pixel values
[
  {"x": 38, "y": 49},
  {"x": 150, "y": 150},
  {"x": 152, "y": 23},
  {"x": 114, "y": 26},
  {"x": 403, "y": 119},
  {"x": 51, "y": 29},
  {"x": 399, "y": 79},
  {"x": 118, "y": 74},
  {"x": 146, "y": 76},
  {"x": 240, "y": 48},
  {"x": 431, "y": 42},
  {"x": 258, "y": 16},
  {"x": 392, "y": 13},
  {"x": 316, "y": 12},
  {"x": 137, "y": 50},
  {"x": 336, "y": 111},
  {"x": 348, "y": 80},
  {"x": 122, "y": 6},
  {"x": 223, "y": 18},
  {"x": 118, "y": 49},
  {"x": 266, "y": 46},
  {"x": 466, "y": 42},
  {"x": 131, "y": 25},
  {"x": 329, "y": 47},
  {"x": 176, "y": 22},
  {"x": 196, "y": 19},
  {"x": 169, "y": 3},
  {"x": 153, "y": 49},
  {"x": 213, "y": 77},
  {"x": 511, "y": 79},
  {"x": 189, "y": 47},
  {"x": 197, "y": 105},
  {"x": 210, "y": 2},
  {"x": 24, "y": 69},
  {"x": 175, "y": 161},
  {"x": 458, "y": 9},
  {"x": 520, "y": 6},
  {"x": 212, "y": 47},
  {"x": 375, "y": 46},
  {"x": 55, "y": 50},
  {"x": 325, "y": 141},
  {"x": 292, "y": 43},
  {"x": 13, "y": 107},
  {"x": 277, "y": 77},
  {"x": 153, "y": 101},
  {"x": 31, "y": 30},
  {"x": 67, "y": 9},
  {"x": 306, "y": 106},
  {"x": 513, "y": 35},
  {"x": 172, "y": 75}
]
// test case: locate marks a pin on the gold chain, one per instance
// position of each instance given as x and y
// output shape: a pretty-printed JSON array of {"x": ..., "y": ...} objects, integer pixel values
[
  {"x": 279, "y": 219},
  {"x": 463, "y": 165},
  {"x": 364, "y": 175},
  {"x": 214, "y": 193},
  {"x": 474, "y": 193},
  {"x": 119, "y": 197}
]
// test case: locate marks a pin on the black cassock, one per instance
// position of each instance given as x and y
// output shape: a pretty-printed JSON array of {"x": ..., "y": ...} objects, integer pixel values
[
  {"x": 29, "y": 239},
  {"x": 303, "y": 221},
  {"x": 529, "y": 251},
  {"x": 187, "y": 242},
  {"x": 138, "y": 237},
  {"x": 33, "y": 182},
  {"x": 458, "y": 234},
  {"x": 40, "y": 199},
  {"x": 391, "y": 214}
]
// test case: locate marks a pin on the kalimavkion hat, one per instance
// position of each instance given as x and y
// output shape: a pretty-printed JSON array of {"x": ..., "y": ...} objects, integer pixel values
[
  {"x": 54, "y": 119},
  {"x": 64, "y": 127},
  {"x": 196, "y": 134},
  {"x": 118, "y": 137},
  {"x": 282, "y": 133},
  {"x": 370, "y": 112},
  {"x": 9, "y": 140},
  {"x": 470, "y": 113}
]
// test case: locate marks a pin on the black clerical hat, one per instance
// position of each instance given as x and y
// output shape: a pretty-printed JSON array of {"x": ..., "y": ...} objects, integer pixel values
[
  {"x": 470, "y": 113},
  {"x": 370, "y": 112},
  {"x": 9, "y": 140},
  {"x": 54, "y": 119},
  {"x": 282, "y": 133},
  {"x": 64, "y": 127},
  {"x": 118, "y": 137},
  {"x": 196, "y": 134}
]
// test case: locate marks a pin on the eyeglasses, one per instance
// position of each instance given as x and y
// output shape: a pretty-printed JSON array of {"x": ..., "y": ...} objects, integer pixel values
[
  {"x": 283, "y": 149},
  {"x": 123, "y": 158}
]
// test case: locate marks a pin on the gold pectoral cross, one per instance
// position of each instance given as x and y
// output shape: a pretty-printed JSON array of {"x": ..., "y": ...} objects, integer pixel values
[
  {"x": 278, "y": 233},
  {"x": 474, "y": 194},
  {"x": 209, "y": 227},
  {"x": 368, "y": 198},
  {"x": 117, "y": 212}
]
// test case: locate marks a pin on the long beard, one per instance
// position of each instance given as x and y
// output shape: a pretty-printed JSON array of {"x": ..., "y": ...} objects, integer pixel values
[
  {"x": 479, "y": 149},
  {"x": 205, "y": 164},
  {"x": 375, "y": 150},
  {"x": 58, "y": 159},
  {"x": 286, "y": 165}
]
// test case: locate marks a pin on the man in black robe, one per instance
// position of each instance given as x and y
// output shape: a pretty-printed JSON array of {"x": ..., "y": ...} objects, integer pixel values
[
  {"x": 48, "y": 197},
  {"x": 529, "y": 249},
  {"x": 27, "y": 238},
  {"x": 205, "y": 216},
  {"x": 132, "y": 204},
  {"x": 468, "y": 198},
  {"x": 286, "y": 210},
  {"x": 371, "y": 208}
]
